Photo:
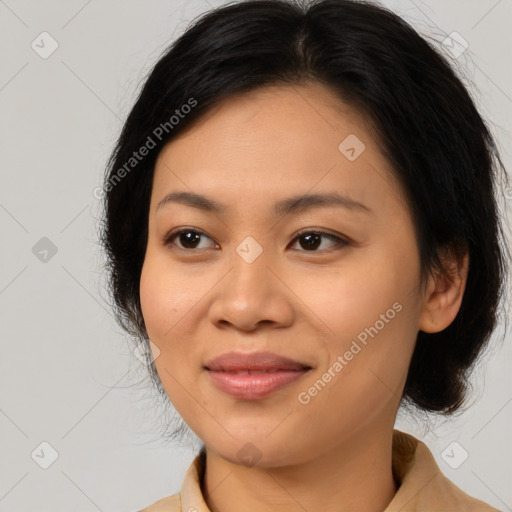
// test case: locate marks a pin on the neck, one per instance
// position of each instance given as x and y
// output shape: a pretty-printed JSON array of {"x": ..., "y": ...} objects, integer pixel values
[{"x": 356, "y": 474}]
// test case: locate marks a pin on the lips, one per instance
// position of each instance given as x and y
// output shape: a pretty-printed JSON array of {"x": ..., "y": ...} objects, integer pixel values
[
  {"x": 253, "y": 376},
  {"x": 257, "y": 362}
]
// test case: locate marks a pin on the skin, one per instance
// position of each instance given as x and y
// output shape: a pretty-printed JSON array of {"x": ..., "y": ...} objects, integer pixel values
[{"x": 333, "y": 453}]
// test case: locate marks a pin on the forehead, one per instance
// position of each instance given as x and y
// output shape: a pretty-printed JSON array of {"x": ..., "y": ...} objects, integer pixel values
[
  {"x": 274, "y": 142},
  {"x": 277, "y": 115}
]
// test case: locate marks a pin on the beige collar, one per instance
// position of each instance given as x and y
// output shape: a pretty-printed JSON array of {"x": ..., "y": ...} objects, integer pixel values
[{"x": 422, "y": 486}]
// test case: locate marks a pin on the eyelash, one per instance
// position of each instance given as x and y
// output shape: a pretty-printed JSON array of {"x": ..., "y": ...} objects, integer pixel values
[{"x": 168, "y": 239}]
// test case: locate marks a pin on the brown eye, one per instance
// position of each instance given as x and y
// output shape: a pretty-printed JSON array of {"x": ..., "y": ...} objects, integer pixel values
[
  {"x": 311, "y": 240},
  {"x": 185, "y": 239},
  {"x": 189, "y": 239}
]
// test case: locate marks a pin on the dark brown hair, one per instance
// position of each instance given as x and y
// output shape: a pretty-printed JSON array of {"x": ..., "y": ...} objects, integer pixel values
[{"x": 429, "y": 128}]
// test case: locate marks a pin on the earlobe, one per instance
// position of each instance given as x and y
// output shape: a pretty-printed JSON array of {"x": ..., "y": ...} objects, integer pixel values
[{"x": 444, "y": 294}]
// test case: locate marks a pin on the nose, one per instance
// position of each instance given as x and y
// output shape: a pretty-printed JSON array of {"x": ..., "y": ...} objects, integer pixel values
[{"x": 250, "y": 295}]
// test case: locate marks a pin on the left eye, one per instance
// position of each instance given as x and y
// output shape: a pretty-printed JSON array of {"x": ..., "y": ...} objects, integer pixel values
[
  {"x": 309, "y": 240},
  {"x": 312, "y": 240}
]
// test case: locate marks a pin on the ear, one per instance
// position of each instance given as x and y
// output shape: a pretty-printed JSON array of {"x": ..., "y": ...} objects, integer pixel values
[{"x": 444, "y": 293}]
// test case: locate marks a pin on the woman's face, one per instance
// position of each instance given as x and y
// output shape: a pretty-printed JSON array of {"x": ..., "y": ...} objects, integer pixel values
[{"x": 345, "y": 303}]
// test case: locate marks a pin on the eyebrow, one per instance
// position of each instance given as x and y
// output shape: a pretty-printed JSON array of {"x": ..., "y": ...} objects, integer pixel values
[{"x": 295, "y": 204}]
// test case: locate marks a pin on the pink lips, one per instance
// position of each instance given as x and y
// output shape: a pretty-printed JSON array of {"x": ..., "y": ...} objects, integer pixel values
[{"x": 253, "y": 376}]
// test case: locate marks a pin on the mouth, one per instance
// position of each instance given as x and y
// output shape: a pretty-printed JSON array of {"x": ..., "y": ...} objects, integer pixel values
[{"x": 253, "y": 376}]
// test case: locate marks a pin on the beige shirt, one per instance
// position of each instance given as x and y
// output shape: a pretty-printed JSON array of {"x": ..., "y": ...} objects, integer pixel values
[{"x": 422, "y": 486}]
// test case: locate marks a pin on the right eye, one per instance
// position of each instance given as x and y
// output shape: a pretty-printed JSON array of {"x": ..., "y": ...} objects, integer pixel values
[{"x": 188, "y": 238}]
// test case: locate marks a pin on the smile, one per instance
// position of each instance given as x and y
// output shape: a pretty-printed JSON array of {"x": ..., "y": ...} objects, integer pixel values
[{"x": 253, "y": 384}]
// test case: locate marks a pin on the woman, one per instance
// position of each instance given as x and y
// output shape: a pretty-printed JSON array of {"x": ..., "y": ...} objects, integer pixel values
[{"x": 301, "y": 216}]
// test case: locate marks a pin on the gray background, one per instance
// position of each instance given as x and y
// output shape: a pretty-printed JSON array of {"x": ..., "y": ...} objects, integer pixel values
[{"x": 68, "y": 375}]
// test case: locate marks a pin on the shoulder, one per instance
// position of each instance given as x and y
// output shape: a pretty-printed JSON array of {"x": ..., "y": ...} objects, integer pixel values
[
  {"x": 462, "y": 500},
  {"x": 169, "y": 504},
  {"x": 422, "y": 486},
  {"x": 190, "y": 495}
]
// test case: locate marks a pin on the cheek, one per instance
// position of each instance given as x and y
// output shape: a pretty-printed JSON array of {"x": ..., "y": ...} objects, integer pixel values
[
  {"x": 368, "y": 363},
  {"x": 352, "y": 298},
  {"x": 157, "y": 317},
  {"x": 371, "y": 315},
  {"x": 167, "y": 294},
  {"x": 166, "y": 297}
]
